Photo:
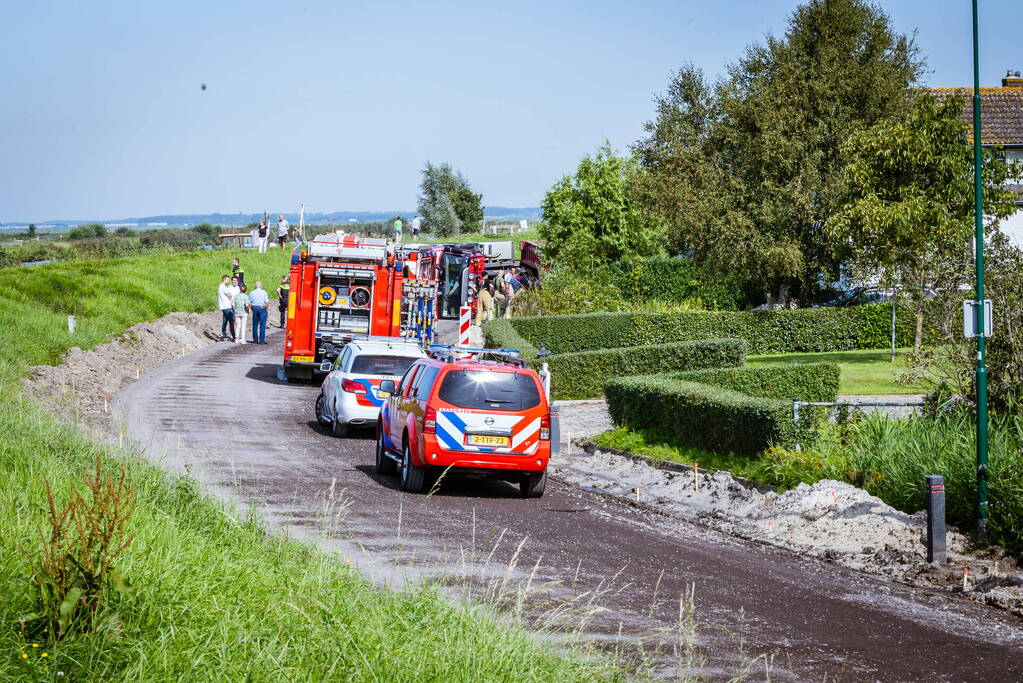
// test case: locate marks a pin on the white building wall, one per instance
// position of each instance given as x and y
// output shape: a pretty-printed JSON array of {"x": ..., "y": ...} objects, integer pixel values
[{"x": 1013, "y": 228}]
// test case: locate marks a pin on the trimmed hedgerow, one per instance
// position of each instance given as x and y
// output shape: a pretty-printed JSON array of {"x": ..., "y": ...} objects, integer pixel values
[
  {"x": 704, "y": 409},
  {"x": 582, "y": 374},
  {"x": 499, "y": 334},
  {"x": 803, "y": 330},
  {"x": 806, "y": 381}
]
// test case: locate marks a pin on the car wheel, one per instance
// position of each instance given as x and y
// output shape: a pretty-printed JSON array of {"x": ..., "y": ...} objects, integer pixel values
[
  {"x": 338, "y": 427},
  {"x": 385, "y": 465},
  {"x": 533, "y": 484},
  {"x": 413, "y": 478},
  {"x": 319, "y": 410}
]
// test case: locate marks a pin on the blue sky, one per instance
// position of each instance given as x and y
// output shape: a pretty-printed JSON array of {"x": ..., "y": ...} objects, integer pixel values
[{"x": 338, "y": 104}]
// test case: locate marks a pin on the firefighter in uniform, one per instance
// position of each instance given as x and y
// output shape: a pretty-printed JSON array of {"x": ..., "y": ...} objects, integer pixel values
[{"x": 283, "y": 290}]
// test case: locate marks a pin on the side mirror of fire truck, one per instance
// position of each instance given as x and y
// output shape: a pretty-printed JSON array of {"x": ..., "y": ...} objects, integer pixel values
[{"x": 386, "y": 388}]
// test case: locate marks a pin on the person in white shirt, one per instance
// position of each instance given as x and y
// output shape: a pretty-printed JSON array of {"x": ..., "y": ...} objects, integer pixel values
[
  {"x": 417, "y": 224},
  {"x": 225, "y": 297},
  {"x": 282, "y": 231}
]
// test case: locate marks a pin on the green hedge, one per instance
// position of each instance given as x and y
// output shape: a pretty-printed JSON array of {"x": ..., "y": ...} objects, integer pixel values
[
  {"x": 582, "y": 374},
  {"x": 499, "y": 334},
  {"x": 671, "y": 280},
  {"x": 709, "y": 409},
  {"x": 803, "y": 330}
]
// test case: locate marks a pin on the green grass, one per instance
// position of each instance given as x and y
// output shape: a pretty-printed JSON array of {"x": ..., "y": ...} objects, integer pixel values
[
  {"x": 863, "y": 372},
  {"x": 213, "y": 595}
]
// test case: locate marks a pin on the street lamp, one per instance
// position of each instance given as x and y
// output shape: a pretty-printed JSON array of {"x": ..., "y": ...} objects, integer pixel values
[{"x": 978, "y": 308}]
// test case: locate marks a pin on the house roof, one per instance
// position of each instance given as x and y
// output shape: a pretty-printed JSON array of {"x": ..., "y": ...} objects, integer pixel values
[{"x": 1001, "y": 112}]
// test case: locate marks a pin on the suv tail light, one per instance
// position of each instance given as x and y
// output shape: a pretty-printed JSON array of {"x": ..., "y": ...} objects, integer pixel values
[
  {"x": 545, "y": 427},
  {"x": 430, "y": 421},
  {"x": 353, "y": 387}
]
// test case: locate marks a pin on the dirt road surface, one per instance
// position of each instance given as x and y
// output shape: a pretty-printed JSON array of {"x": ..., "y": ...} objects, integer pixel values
[{"x": 220, "y": 414}]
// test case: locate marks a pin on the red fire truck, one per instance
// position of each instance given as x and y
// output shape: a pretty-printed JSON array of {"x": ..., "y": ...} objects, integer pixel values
[{"x": 346, "y": 286}]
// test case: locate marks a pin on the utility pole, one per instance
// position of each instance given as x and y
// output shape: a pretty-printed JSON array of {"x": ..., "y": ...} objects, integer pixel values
[{"x": 982, "y": 420}]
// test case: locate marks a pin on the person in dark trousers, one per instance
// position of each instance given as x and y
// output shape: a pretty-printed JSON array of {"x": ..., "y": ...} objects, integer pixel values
[
  {"x": 283, "y": 291},
  {"x": 259, "y": 301},
  {"x": 237, "y": 271},
  {"x": 225, "y": 296}
]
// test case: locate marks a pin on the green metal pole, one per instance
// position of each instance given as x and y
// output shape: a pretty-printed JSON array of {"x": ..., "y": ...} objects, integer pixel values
[{"x": 982, "y": 419}]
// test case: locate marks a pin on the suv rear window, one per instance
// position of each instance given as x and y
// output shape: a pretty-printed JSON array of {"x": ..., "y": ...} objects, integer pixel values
[
  {"x": 482, "y": 389},
  {"x": 381, "y": 365}
]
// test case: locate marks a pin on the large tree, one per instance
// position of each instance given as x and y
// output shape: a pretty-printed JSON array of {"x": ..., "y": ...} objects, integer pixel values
[
  {"x": 908, "y": 205},
  {"x": 446, "y": 202},
  {"x": 752, "y": 164},
  {"x": 592, "y": 218}
]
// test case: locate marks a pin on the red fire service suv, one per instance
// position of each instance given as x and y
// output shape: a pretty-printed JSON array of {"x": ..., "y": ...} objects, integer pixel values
[{"x": 474, "y": 410}]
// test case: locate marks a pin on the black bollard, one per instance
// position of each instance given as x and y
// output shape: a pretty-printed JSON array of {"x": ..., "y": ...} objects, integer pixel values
[{"x": 935, "y": 518}]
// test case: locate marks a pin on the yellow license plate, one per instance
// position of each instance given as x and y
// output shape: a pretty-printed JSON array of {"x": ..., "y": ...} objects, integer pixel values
[
  {"x": 303, "y": 359},
  {"x": 482, "y": 440}
]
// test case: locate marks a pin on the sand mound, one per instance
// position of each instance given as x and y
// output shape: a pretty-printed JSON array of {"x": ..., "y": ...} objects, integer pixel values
[{"x": 75, "y": 389}]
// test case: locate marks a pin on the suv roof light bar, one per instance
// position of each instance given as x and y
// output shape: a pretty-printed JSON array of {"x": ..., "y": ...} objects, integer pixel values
[{"x": 449, "y": 351}]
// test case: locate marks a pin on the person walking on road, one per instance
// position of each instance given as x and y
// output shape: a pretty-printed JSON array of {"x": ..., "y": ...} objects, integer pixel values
[
  {"x": 240, "y": 303},
  {"x": 237, "y": 271},
  {"x": 258, "y": 301},
  {"x": 224, "y": 295},
  {"x": 263, "y": 233},
  {"x": 283, "y": 292},
  {"x": 417, "y": 223},
  {"x": 282, "y": 230},
  {"x": 397, "y": 229}
]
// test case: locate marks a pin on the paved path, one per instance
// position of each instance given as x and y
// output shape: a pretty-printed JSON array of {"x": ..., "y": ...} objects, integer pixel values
[{"x": 221, "y": 414}]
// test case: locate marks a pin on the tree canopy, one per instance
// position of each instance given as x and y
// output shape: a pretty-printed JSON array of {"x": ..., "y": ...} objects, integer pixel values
[
  {"x": 591, "y": 217},
  {"x": 746, "y": 171},
  {"x": 447, "y": 203}
]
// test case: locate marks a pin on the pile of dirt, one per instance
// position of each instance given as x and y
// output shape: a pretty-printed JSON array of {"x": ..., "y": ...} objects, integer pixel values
[
  {"x": 80, "y": 387},
  {"x": 831, "y": 520}
]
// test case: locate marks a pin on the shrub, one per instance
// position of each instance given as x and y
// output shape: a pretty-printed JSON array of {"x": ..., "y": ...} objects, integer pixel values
[
  {"x": 671, "y": 280},
  {"x": 80, "y": 232},
  {"x": 582, "y": 374},
  {"x": 705, "y": 409},
  {"x": 803, "y": 330}
]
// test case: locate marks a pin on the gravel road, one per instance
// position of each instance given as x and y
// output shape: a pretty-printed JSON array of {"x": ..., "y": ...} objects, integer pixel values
[{"x": 220, "y": 414}]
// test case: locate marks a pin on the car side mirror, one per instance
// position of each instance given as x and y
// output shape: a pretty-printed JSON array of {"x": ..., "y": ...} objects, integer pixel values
[
  {"x": 326, "y": 366},
  {"x": 386, "y": 388}
]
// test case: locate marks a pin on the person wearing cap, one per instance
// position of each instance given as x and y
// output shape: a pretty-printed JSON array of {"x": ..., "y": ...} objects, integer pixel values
[{"x": 283, "y": 292}]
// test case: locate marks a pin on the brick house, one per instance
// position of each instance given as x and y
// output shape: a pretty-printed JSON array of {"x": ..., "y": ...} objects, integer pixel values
[{"x": 1001, "y": 124}]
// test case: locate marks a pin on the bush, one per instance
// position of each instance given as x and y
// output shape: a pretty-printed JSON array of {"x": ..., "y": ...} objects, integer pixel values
[
  {"x": 672, "y": 280},
  {"x": 582, "y": 374},
  {"x": 705, "y": 410},
  {"x": 86, "y": 231},
  {"x": 803, "y": 330}
]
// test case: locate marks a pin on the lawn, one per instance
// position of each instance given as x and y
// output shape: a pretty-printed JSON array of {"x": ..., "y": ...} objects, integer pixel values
[
  {"x": 205, "y": 593},
  {"x": 863, "y": 372}
]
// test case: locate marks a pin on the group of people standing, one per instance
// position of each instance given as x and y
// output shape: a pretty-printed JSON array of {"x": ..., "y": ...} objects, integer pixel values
[
  {"x": 497, "y": 295},
  {"x": 237, "y": 303},
  {"x": 261, "y": 233}
]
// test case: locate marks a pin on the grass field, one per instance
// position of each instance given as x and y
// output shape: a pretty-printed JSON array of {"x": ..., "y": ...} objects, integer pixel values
[
  {"x": 863, "y": 372},
  {"x": 212, "y": 595}
]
